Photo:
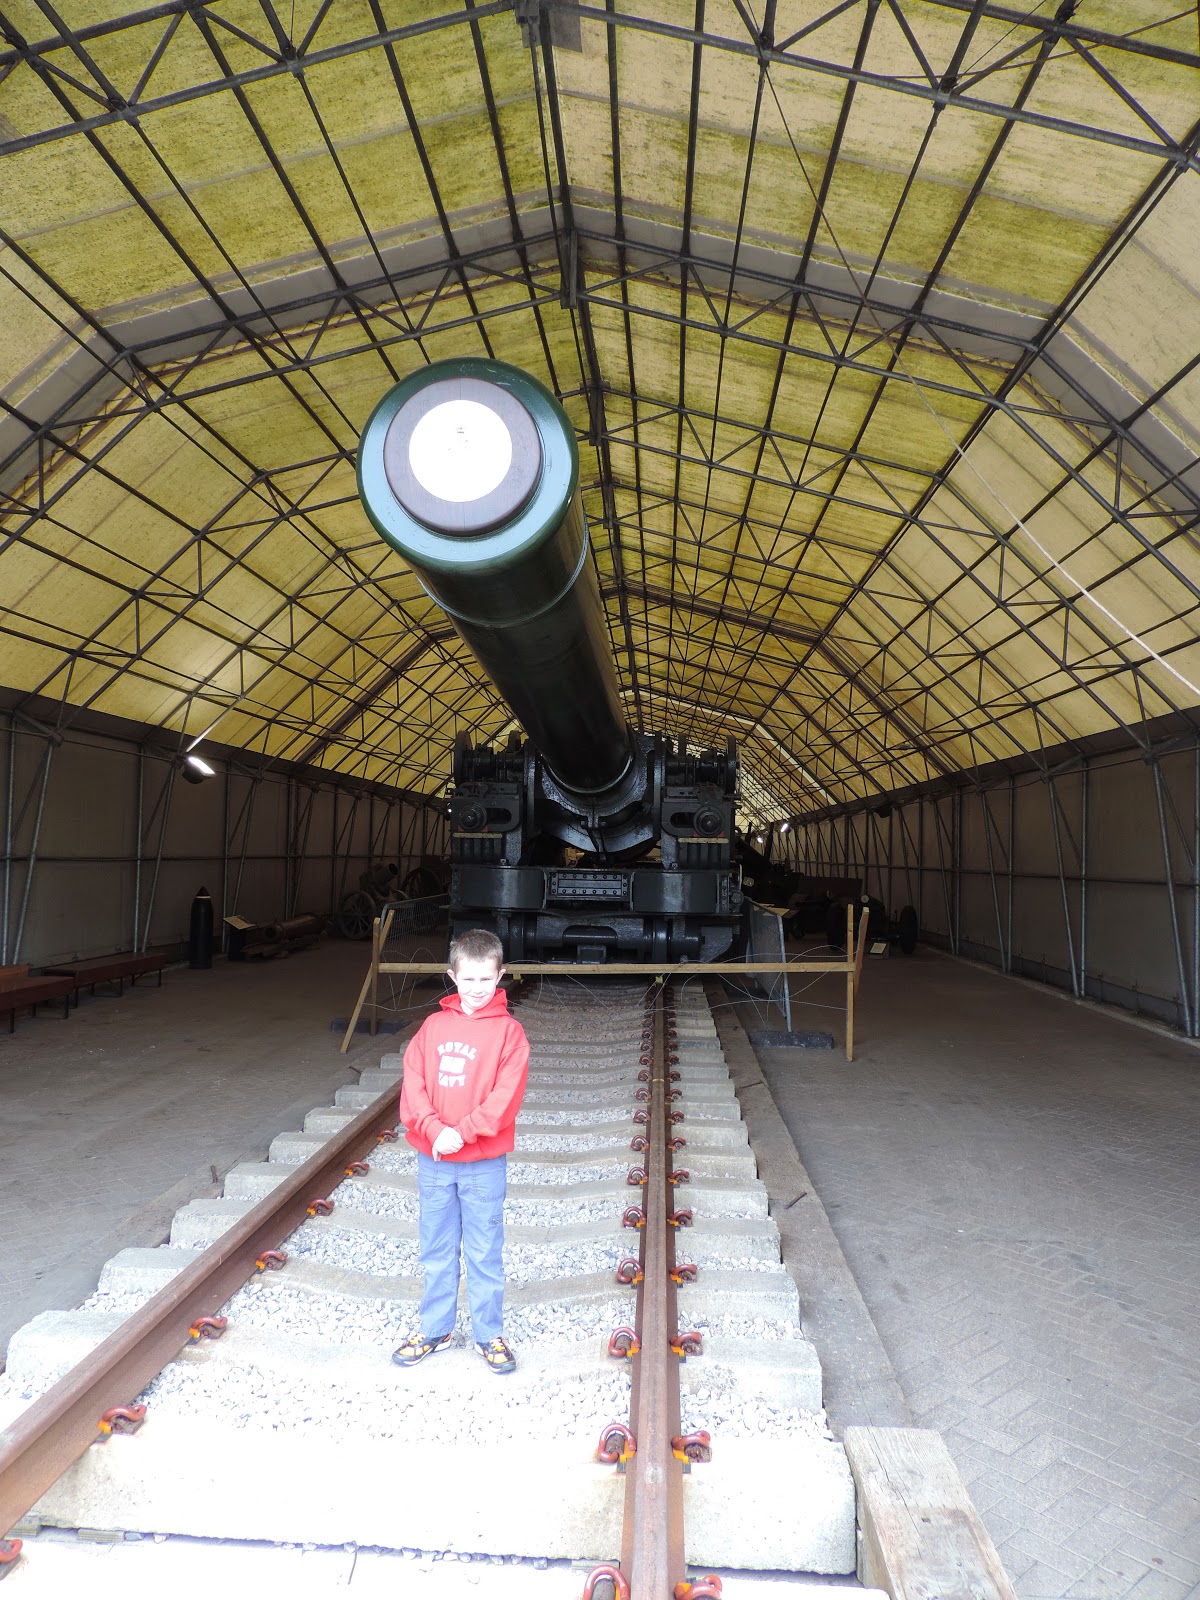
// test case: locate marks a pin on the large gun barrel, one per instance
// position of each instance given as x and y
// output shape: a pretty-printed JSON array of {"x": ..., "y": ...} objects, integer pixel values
[
  {"x": 592, "y": 842},
  {"x": 470, "y": 470}
]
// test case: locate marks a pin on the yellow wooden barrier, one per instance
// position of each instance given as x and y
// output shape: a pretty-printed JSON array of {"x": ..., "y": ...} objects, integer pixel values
[{"x": 851, "y": 965}]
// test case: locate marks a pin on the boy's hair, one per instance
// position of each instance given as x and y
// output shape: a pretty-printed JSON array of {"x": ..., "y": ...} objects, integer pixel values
[{"x": 477, "y": 944}]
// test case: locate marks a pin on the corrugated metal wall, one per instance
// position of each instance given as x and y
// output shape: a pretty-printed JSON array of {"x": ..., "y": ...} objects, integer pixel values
[
  {"x": 123, "y": 843},
  {"x": 1086, "y": 878}
]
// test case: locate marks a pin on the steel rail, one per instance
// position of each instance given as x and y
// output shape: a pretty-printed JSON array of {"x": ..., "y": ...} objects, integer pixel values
[
  {"x": 653, "y": 1561},
  {"x": 652, "y": 1549},
  {"x": 38, "y": 1446}
]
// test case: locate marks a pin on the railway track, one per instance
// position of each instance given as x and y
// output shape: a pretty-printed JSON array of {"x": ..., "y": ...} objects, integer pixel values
[{"x": 665, "y": 1415}]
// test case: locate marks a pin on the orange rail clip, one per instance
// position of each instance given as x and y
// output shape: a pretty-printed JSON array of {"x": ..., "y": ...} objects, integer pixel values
[
  {"x": 208, "y": 1327},
  {"x": 706, "y": 1588},
  {"x": 610, "y": 1573},
  {"x": 616, "y": 1444},
  {"x": 122, "y": 1419}
]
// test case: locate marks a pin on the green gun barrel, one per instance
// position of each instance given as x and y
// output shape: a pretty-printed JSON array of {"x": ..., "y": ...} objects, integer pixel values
[{"x": 469, "y": 468}]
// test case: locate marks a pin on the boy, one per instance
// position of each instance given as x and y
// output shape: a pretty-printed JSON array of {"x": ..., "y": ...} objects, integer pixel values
[{"x": 464, "y": 1079}]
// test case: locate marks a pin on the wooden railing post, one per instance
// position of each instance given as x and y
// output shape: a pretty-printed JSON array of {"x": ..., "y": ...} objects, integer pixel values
[
  {"x": 376, "y": 955},
  {"x": 379, "y": 932},
  {"x": 856, "y": 950}
]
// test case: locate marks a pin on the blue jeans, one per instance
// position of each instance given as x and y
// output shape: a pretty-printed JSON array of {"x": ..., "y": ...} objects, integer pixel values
[{"x": 462, "y": 1205}]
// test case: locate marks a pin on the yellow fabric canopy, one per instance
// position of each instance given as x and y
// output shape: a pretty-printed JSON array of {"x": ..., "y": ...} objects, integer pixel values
[{"x": 879, "y": 323}]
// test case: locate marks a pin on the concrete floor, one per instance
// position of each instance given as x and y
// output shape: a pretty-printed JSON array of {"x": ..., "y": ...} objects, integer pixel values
[
  {"x": 133, "y": 1106},
  {"x": 1014, "y": 1181}
]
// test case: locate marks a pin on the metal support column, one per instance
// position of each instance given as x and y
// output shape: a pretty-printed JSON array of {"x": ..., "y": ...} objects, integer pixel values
[
  {"x": 956, "y": 866},
  {"x": 245, "y": 821},
  {"x": 1083, "y": 877},
  {"x": 291, "y": 827},
  {"x": 348, "y": 834},
  {"x": 31, "y": 859},
  {"x": 1169, "y": 875},
  {"x": 299, "y": 847},
  {"x": 988, "y": 826},
  {"x": 333, "y": 834},
  {"x": 225, "y": 782},
  {"x": 139, "y": 805},
  {"x": 1062, "y": 886},
  {"x": 939, "y": 829},
  {"x": 1012, "y": 835},
  {"x": 10, "y": 785},
  {"x": 891, "y": 847},
  {"x": 907, "y": 841},
  {"x": 163, "y": 802}
]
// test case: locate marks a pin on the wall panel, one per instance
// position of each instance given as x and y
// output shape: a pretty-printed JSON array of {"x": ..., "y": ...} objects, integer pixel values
[
  {"x": 1090, "y": 902},
  {"x": 240, "y": 834}
]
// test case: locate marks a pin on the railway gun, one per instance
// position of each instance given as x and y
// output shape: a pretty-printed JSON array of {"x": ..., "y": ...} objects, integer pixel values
[{"x": 588, "y": 840}]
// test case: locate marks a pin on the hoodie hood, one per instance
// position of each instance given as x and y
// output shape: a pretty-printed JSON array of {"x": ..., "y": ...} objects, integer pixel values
[{"x": 497, "y": 1006}]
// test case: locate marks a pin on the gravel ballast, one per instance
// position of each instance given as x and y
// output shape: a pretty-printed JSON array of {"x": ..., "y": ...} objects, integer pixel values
[{"x": 312, "y": 1356}]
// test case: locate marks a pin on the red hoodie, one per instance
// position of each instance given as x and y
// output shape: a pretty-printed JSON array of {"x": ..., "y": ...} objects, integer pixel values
[{"x": 467, "y": 1073}]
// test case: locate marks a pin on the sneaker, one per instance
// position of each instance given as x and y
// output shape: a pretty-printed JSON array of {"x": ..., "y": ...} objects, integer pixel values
[
  {"x": 498, "y": 1356},
  {"x": 416, "y": 1347}
]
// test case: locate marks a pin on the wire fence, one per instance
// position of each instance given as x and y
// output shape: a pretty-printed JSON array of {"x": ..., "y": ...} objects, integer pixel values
[
  {"x": 765, "y": 942},
  {"x": 409, "y": 948},
  {"x": 408, "y": 932},
  {"x": 407, "y": 924}
]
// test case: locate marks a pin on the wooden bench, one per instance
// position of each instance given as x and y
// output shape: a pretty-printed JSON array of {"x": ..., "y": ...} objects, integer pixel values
[
  {"x": 18, "y": 992},
  {"x": 109, "y": 969}
]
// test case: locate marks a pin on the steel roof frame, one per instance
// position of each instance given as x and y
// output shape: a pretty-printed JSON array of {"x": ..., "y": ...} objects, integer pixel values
[
  {"x": 276, "y": 62},
  {"x": 269, "y": 330},
  {"x": 932, "y": 276}
]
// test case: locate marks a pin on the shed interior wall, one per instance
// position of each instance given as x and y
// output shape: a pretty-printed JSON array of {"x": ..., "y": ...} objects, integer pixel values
[
  {"x": 264, "y": 843},
  {"x": 1061, "y": 877}
]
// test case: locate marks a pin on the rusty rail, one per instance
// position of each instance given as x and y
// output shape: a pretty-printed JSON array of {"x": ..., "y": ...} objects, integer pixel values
[
  {"x": 652, "y": 1554},
  {"x": 54, "y": 1431},
  {"x": 653, "y": 1564}
]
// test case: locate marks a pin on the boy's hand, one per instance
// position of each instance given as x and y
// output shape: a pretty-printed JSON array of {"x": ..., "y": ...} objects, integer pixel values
[{"x": 447, "y": 1143}]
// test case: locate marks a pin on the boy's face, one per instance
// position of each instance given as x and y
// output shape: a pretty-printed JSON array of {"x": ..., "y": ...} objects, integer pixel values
[{"x": 476, "y": 982}]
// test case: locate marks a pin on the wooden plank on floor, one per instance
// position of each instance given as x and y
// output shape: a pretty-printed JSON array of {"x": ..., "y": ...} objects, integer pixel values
[{"x": 921, "y": 1534}]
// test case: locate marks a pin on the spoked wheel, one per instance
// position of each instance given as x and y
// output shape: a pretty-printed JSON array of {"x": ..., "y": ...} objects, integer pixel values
[
  {"x": 355, "y": 915},
  {"x": 421, "y": 883}
]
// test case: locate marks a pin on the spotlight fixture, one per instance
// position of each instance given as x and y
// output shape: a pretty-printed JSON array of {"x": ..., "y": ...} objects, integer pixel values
[
  {"x": 195, "y": 769},
  {"x": 784, "y": 826}
]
